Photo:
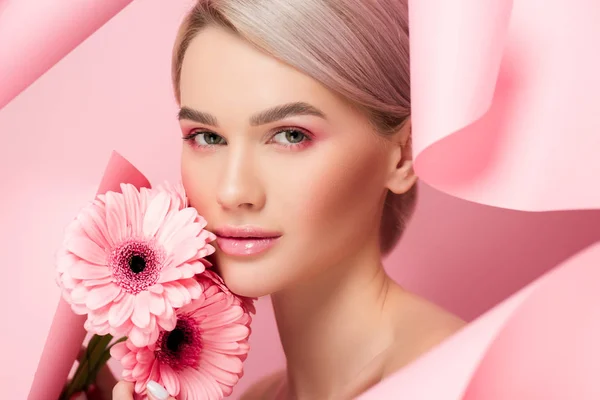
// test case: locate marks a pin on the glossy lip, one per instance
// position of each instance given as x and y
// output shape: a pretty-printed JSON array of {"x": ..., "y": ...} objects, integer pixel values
[
  {"x": 245, "y": 240},
  {"x": 245, "y": 232}
]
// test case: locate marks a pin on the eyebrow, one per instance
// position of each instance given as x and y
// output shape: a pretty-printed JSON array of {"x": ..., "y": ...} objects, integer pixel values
[{"x": 264, "y": 117}]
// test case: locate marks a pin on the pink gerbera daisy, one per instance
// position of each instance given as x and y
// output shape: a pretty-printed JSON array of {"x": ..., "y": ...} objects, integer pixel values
[
  {"x": 129, "y": 259},
  {"x": 202, "y": 357}
]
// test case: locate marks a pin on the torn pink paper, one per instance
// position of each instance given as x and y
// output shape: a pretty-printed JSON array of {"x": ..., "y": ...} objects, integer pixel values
[
  {"x": 66, "y": 333},
  {"x": 530, "y": 151},
  {"x": 36, "y": 34},
  {"x": 504, "y": 104},
  {"x": 549, "y": 348},
  {"x": 540, "y": 343},
  {"x": 504, "y": 101}
]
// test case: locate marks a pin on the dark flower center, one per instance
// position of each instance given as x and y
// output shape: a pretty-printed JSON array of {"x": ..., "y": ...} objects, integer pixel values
[
  {"x": 181, "y": 347},
  {"x": 137, "y": 263},
  {"x": 175, "y": 339}
]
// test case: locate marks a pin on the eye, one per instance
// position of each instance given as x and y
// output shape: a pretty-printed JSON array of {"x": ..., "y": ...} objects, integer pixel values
[
  {"x": 288, "y": 137},
  {"x": 204, "y": 139},
  {"x": 209, "y": 138}
]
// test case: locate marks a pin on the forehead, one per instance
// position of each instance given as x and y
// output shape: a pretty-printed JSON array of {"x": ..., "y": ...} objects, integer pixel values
[{"x": 221, "y": 69}]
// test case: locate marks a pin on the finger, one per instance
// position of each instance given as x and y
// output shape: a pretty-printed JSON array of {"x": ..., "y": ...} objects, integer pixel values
[
  {"x": 157, "y": 392},
  {"x": 123, "y": 391}
]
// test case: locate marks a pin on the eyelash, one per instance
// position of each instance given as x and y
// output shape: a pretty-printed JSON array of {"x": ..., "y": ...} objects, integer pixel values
[{"x": 292, "y": 146}]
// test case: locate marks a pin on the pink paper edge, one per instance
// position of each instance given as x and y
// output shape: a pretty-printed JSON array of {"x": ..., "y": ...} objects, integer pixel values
[{"x": 62, "y": 345}]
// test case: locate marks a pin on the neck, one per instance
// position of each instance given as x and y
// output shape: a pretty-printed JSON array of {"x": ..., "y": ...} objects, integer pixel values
[{"x": 335, "y": 328}]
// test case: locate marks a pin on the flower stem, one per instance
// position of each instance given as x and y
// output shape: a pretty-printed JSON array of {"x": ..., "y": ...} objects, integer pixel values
[{"x": 96, "y": 355}]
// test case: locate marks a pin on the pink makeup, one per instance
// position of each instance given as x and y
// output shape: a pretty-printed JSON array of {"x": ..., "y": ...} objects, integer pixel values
[{"x": 245, "y": 240}]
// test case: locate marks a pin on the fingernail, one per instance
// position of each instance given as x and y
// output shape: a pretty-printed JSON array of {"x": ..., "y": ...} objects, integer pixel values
[{"x": 157, "y": 391}]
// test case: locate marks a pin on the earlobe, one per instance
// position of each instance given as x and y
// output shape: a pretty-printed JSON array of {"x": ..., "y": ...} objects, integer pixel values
[
  {"x": 402, "y": 175},
  {"x": 402, "y": 178}
]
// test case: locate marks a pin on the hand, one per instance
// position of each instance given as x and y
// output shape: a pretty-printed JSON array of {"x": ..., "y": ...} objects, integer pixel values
[{"x": 124, "y": 391}]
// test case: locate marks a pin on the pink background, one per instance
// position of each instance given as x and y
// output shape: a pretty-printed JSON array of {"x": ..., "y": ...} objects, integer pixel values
[{"x": 113, "y": 92}]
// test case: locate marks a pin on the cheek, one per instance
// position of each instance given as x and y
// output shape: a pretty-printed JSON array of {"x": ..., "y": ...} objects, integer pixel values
[
  {"x": 343, "y": 191},
  {"x": 198, "y": 184}
]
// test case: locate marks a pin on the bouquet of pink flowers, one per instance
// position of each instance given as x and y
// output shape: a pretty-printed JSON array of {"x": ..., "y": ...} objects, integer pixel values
[{"x": 135, "y": 264}]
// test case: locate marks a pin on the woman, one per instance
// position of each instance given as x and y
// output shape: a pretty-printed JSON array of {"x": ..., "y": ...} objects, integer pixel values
[{"x": 295, "y": 116}]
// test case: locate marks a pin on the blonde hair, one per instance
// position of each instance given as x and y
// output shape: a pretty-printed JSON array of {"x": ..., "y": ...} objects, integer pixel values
[{"x": 359, "y": 49}]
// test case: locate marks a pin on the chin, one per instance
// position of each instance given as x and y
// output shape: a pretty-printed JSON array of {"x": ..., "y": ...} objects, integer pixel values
[
  {"x": 255, "y": 279},
  {"x": 247, "y": 287}
]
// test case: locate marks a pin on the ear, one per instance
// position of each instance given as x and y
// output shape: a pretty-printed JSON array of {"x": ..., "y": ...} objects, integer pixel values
[{"x": 401, "y": 173}]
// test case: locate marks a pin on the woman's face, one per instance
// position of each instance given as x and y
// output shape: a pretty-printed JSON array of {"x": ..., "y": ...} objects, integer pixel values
[{"x": 272, "y": 154}]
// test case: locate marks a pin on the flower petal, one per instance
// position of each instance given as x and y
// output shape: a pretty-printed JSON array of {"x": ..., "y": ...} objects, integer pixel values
[
  {"x": 169, "y": 378},
  {"x": 192, "y": 287},
  {"x": 97, "y": 233},
  {"x": 132, "y": 203},
  {"x": 79, "y": 294},
  {"x": 145, "y": 356},
  {"x": 209, "y": 384},
  {"x": 225, "y": 362},
  {"x": 86, "y": 249},
  {"x": 98, "y": 282},
  {"x": 179, "y": 220},
  {"x": 128, "y": 361},
  {"x": 174, "y": 295},
  {"x": 68, "y": 282},
  {"x": 119, "y": 350},
  {"x": 221, "y": 375},
  {"x": 141, "y": 312},
  {"x": 230, "y": 333},
  {"x": 182, "y": 253},
  {"x": 79, "y": 309},
  {"x": 99, "y": 296},
  {"x": 168, "y": 320},
  {"x": 157, "y": 288},
  {"x": 84, "y": 270},
  {"x": 155, "y": 214},
  {"x": 99, "y": 316},
  {"x": 96, "y": 214},
  {"x": 224, "y": 318},
  {"x": 169, "y": 274},
  {"x": 140, "y": 372},
  {"x": 157, "y": 304},
  {"x": 116, "y": 217},
  {"x": 138, "y": 337},
  {"x": 121, "y": 311}
]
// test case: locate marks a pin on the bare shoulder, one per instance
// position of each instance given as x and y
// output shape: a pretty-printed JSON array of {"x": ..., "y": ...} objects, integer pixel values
[{"x": 265, "y": 388}]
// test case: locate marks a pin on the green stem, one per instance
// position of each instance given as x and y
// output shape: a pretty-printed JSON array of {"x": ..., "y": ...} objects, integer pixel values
[
  {"x": 98, "y": 367},
  {"x": 95, "y": 357},
  {"x": 117, "y": 341}
]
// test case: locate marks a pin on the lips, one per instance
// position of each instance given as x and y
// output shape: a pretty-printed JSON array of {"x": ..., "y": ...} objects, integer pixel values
[
  {"x": 245, "y": 232},
  {"x": 245, "y": 240}
]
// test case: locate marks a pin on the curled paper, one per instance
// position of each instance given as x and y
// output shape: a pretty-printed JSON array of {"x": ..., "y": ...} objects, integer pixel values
[
  {"x": 67, "y": 333},
  {"x": 549, "y": 348},
  {"x": 540, "y": 343},
  {"x": 36, "y": 34},
  {"x": 504, "y": 101},
  {"x": 504, "y": 114},
  {"x": 503, "y": 98}
]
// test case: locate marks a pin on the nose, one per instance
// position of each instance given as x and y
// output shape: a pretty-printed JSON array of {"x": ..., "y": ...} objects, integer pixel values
[{"x": 239, "y": 186}]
